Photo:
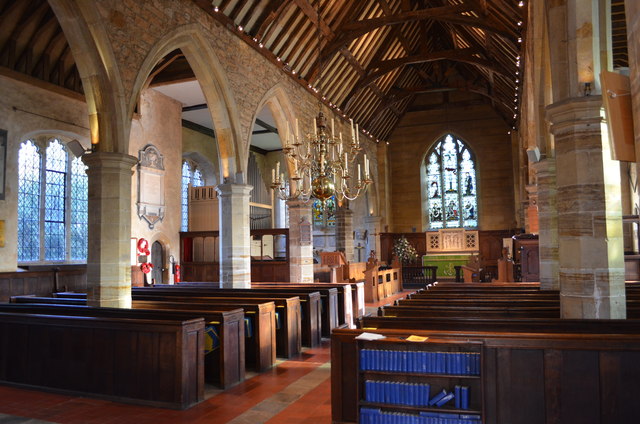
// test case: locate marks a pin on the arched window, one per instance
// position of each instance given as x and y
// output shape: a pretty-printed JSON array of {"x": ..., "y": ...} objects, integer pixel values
[
  {"x": 191, "y": 175},
  {"x": 324, "y": 217},
  {"x": 451, "y": 185},
  {"x": 52, "y": 204}
]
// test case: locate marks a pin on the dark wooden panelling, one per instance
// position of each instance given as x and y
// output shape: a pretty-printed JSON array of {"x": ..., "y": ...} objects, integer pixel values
[
  {"x": 580, "y": 387},
  {"x": 42, "y": 282},
  {"x": 151, "y": 361},
  {"x": 619, "y": 376}
]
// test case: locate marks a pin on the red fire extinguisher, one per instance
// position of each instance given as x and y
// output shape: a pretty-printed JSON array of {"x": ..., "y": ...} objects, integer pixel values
[{"x": 176, "y": 272}]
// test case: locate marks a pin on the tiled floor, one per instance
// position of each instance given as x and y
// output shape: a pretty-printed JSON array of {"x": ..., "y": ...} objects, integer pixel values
[
  {"x": 276, "y": 396},
  {"x": 294, "y": 391}
]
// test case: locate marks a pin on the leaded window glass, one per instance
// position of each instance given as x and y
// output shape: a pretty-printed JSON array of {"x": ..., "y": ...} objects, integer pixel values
[
  {"x": 451, "y": 185},
  {"x": 324, "y": 216},
  {"x": 79, "y": 210},
  {"x": 28, "y": 202},
  {"x": 186, "y": 178},
  {"x": 52, "y": 204},
  {"x": 190, "y": 175},
  {"x": 197, "y": 178}
]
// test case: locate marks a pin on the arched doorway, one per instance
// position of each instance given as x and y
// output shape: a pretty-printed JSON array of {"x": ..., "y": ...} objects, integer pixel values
[{"x": 157, "y": 259}]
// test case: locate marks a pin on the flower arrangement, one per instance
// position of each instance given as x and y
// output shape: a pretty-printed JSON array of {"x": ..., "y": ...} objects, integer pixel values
[{"x": 404, "y": 251}]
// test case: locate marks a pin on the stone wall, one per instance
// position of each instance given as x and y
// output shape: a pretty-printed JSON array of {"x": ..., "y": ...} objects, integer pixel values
[
  {"x": 484, "y": 132},
  {"x": 159, "y": 123}
]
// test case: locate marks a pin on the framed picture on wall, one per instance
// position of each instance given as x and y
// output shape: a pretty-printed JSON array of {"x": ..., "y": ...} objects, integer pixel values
[{"x": 3, "y": 161}]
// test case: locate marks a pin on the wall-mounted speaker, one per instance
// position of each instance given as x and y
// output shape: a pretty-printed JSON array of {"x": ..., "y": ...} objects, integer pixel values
[
  {"x": 76, "y": 148},
  {"x": 533, "y": 153}
]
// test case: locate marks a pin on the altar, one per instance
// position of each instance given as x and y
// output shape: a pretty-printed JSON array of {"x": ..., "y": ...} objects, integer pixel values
[
  {"x": 446, "y": 264},
  {"x": 448, "y": 248}
]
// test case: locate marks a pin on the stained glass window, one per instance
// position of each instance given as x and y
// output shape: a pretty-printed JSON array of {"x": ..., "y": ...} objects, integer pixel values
[
  {"x": 190, "y": 175},
  {"x": 451, "y": 185},
  {"x": 324, "y": 216},
  {"x": 79, "y": 210},
  {"x": 28, "y": 202},
  {"x": 52, "y": 204}
]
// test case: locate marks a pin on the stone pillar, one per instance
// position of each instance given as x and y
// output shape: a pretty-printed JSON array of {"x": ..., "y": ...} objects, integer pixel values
[
  {"x": 344, "y": 231},
  {"x": 300, "y": 242},
  {"x": 548, "y": 223},
  {"x": 374, "y": 224},
  {"x": 589, "y": 212},
  {"x": 109, "y": 238},
  {"x": 531, "y": 218},
  {"x": 235, "y": 235}
]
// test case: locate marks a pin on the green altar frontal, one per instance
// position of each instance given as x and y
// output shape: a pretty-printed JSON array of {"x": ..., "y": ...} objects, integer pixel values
[{"x": 445, "y": 263}]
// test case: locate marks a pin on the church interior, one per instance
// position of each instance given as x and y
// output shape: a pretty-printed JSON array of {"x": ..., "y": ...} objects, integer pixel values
[{"x": 314, "y": 211}]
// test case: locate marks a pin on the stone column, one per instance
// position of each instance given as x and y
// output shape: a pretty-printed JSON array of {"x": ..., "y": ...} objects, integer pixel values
[
  {"x": 531, "y": 218},
  {"x": 374, "y": 224},
  {"x": 591, "y": 261},
  {"x": 548, "y": 223},
  {"x": 235, "y": 235},
  {"x": 300, "y": 242},
  {"x": 344, "y": 231},
  {"x": 109, "y": 238}
]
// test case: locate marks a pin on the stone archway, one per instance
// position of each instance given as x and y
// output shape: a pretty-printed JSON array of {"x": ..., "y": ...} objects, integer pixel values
[
  {"x": 300, "y": 248},
  {"x": 215, "y": 87},
  {"x": 101, "y": 80}
]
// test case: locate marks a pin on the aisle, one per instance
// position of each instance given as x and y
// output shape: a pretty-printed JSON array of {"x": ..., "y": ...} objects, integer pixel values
[{"x": 294, "y": 391}]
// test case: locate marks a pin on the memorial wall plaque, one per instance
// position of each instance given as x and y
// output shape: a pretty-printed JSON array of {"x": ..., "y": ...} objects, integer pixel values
[{"x": 151, "y": 172}]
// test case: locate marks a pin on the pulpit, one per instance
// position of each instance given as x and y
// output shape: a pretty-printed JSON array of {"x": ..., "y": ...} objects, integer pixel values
[
  {"x": 334, "y": 260},
  {"x": 505, "y": 268}
]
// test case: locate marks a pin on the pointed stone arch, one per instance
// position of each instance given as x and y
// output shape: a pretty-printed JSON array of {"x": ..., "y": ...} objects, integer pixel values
[
  {"x": 83, "y": 27},
  {"x": 216, "y": 88},
  {"x": 278, "y": 102}
]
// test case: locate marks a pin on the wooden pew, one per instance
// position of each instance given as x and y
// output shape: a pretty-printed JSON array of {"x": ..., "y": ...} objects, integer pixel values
[
  {"x": 310, "y": 303},
  {"x": 503, "y": 302},
  {"x": 345, "y": 300},
  {"x": 259, "y": 349},
  {"x": 516, "y": 325},
  {"x": 525, "y": 378},
  {"x": 329, "y": 297},
  {"x": 151, "y": 361},
  {"x": 468, "y": 311},
  {"x": 288, "y": 320},
  {"x": 224, "y": 366}
]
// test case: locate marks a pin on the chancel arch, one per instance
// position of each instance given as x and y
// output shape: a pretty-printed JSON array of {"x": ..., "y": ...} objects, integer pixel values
[{"x": 449, "y": 185}]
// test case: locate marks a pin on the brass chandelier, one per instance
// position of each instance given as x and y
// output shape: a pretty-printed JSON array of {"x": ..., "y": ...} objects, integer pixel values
[{"x": 321, "y": 164}]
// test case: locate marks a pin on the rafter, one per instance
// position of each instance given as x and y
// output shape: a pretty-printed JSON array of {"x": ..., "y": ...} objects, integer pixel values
[
  {"x": 353, "y": 30},
  {"x": 271, "y": 14},
  {"x": 404, "y": 94},
  {"x": 462, "y": 55}
]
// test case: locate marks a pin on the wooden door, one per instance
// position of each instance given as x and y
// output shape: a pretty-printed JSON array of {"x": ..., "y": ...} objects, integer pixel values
[
  {"x": 530, "y": 262},
  {"x": 157, "y": 259}
]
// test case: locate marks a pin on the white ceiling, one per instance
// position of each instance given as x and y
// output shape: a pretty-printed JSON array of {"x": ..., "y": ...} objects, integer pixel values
[{"x": 189, "y": 93}]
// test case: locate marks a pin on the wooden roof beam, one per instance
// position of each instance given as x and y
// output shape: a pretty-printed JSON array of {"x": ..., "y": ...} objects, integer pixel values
[
  {"x": 271, "y": 14},
  {"x": 353, "y": 30}
]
